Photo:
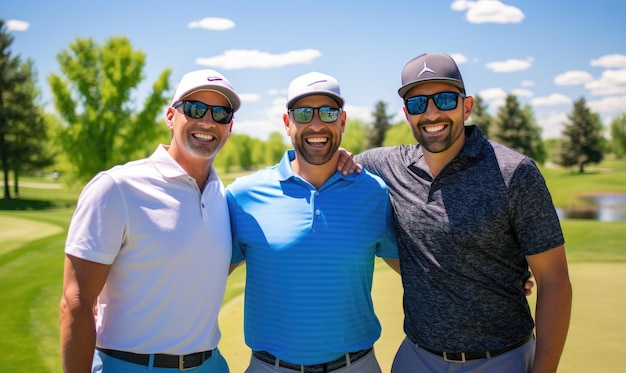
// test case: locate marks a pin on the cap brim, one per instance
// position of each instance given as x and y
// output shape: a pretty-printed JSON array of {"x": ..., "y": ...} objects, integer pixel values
[
  {"x": 338, "y": 99},
  {"x": 406, "y": 88},
  {"x": 231, "y": 96}
]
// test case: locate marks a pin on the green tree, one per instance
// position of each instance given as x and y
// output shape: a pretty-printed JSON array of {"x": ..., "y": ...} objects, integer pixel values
[
  {"x": 618, "y": 135},
  {"x": 353, "y": 137},
  {"x": 238, "y": 153},
  {"x": 540, "y": 154},
  {"x": 480, "y": 116},
  {"x": 516, "y": 127},
  {"x": 274, "y": 148},
  {"x": 399, "y": 133},
  {"x": 582, "y": 140},
  {"x": 27, "y": 140},
  {"x": 9, "y": 78},
  {"x": 376, "y": 133},
  {"x": 22, "y": 129},
  {"x": 100, "y": 125}
]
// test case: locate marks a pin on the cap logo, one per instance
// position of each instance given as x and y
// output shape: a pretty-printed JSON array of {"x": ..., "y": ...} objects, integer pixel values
[
  {"x": 319, "y": 81},
  {"x": 213, "y": 78},
  {"x": 426, "y": 69}
]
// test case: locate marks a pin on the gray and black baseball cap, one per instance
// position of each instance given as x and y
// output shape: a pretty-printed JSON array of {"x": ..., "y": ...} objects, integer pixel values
[{"x": 430, "y": 67}]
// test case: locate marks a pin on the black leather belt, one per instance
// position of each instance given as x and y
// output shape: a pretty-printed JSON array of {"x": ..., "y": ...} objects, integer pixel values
[
  {"x": 460, "y": 357},
  {"x": 182, "y": 362},
  {"x": 266, "y": 357}
]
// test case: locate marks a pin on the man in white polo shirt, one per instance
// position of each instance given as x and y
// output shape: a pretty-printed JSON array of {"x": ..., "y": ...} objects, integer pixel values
[{"x": 149, "y": 246}]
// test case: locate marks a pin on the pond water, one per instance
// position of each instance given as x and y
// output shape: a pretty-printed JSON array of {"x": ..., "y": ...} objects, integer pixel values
[{"x": 606, "y": 207}]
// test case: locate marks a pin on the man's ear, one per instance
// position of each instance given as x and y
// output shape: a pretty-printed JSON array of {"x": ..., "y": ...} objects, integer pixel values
[
  {"x": 468, "y": 105},
  {"x": 169, "y": 114}
]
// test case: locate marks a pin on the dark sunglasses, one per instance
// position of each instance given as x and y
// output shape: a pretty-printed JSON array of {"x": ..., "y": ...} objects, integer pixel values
[
  {"x": 197, "y": 109},
  {"x": 443, "y": 100},
  {"x": 327, "y": 114}
]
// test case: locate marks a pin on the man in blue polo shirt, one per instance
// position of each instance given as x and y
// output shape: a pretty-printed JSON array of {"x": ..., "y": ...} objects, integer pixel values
[{"x": 309, "y": 237}]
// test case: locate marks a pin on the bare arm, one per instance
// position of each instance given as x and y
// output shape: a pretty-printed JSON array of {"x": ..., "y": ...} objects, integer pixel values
[
  {"x": 553, "y": 310},
  {"x": 394, "y": 264},
  {"x": 346, "y": 163},
  {"x": 82, "y": 282}
]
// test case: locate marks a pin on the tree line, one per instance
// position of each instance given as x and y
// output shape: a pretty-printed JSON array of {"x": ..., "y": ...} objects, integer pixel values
[{"x": 97, "y": 123}]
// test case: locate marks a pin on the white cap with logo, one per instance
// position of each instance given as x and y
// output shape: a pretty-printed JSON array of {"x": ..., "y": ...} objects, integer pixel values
[
  {"x": 206, "y": 80},
  {"x": 313, "y": 83}
]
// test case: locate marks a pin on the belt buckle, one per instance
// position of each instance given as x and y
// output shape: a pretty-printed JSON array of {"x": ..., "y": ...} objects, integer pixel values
[
  {"x": 181, "y": 363},
  {"x": 446, "y": 358}
]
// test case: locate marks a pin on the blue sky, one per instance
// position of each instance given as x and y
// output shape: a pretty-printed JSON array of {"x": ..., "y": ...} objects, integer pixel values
[{"x": 548, "y": 53}]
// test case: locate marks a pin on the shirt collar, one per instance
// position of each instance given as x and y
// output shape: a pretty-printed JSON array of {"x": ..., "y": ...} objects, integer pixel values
[
  {"x": 169, "y": 168},
  {"x": 285, "y": 171}
]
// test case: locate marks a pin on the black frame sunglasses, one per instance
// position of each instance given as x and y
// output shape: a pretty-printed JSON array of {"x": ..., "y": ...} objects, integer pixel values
[
  {"x": 197, "y": 109},
  {"x": 327, "y": 114},
  {"x": 443, "y": 101}
]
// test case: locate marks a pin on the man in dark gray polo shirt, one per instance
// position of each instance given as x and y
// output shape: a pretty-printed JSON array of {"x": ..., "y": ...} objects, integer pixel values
[{"x": 472, "y": 215}]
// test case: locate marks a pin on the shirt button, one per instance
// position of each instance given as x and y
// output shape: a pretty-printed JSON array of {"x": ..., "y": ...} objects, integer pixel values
[{"x": 317, "y": 212}]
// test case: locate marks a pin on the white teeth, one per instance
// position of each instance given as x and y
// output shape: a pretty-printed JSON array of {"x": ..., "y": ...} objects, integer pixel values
[
  {"x": 203, "y": 136},
  {"x": 317, "y": 139},
  {"x": 433, "y": 128}
]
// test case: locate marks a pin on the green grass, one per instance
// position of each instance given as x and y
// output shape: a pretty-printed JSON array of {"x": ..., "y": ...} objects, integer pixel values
[
  {"x": 566, "y": 186},
  {"x": 33, "y": 229},
  {"x": 30, "y": 288}
]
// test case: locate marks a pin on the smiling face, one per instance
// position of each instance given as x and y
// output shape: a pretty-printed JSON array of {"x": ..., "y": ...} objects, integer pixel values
[
  {"x": 437, "y": 130},
  {"x": 197, "y": 139},
  {"x": 315, "y": 142}
]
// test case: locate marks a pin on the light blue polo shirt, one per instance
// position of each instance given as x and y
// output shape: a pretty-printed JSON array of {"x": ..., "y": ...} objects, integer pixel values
[{"x": 309, "y": 260}]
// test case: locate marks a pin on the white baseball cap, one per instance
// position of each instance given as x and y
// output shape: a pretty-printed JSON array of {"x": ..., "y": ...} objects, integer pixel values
[
  {"x": 206, "y": 80},
  {"x": 313, "y": 83}
]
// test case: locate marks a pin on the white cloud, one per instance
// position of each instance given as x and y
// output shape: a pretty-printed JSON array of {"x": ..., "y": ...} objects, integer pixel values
[
  {"x": 250, "y": 58},
  {"x": 610, "y": 61},
  {"x": 359, "y": 112},
  {"x": 528, "y": 83},
  {"x": 573, "y": 78},
  {"x": 258, "y": 128},
  {"x": 494, "y": 97},
  {"x": 458, "y": 58},
  {"x": 510, "y": 65},
  {"x": 552, "y": 124},
  {"x": 17, "y": 25},
  {"x": 490, "y": 94},
  {"x": 611, "y": 82},
  {"x": 553, "y": 99},
  {"x": 270, "y": 120},
  {"x": 249, "y": 97},
  {"x": 608, "y": 104},
  {"x": 277, "y": 91},
  {"x": 488, "y": 11},
  {"x": 519, "y": 92},
  {"x": 461, "y": 5},
  {"x": 215, "y": 24}
]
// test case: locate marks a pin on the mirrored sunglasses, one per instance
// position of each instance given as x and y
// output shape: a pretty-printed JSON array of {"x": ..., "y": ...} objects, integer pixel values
[
  {"x": 443, "y": 101},
  {"x": 197, "y": 109},
  {"x": 326, "y": 114}
]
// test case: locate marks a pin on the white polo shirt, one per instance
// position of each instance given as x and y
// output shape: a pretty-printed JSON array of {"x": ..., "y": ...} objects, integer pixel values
[{"x": 169, "y": 247}]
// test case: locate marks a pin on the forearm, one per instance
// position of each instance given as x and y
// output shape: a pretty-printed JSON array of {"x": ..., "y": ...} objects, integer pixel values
[
  {"x": 552, "y": 317},
  {"x": 78, "y": 337}
]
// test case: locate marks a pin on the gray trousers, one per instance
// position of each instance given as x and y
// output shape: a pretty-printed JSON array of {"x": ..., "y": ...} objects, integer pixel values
[
  {"x": 366, "y": 364},
  {"x": 410, "y": 359}
]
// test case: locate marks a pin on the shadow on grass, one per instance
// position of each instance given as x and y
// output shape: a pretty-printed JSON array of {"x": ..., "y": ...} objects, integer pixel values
[{"x": 26, "y": 204}]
